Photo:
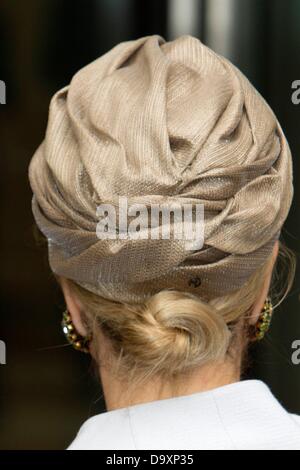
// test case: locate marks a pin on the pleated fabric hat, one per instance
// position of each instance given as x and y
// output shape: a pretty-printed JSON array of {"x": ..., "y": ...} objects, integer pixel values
[{"x": 157, "y": 122}]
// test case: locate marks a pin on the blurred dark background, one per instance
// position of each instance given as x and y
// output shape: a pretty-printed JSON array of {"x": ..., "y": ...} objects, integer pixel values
[{"x": 47, "y": 390}]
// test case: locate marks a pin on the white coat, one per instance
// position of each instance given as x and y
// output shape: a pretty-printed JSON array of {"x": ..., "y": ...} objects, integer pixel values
[{"x": 242, "y": 415}]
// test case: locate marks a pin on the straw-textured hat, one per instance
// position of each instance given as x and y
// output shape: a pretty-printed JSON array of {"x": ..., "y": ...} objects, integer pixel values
[{"x": 155, "y": 121}]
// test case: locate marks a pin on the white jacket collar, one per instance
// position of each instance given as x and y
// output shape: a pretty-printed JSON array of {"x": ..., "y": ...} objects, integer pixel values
[{"x": 242, "y": 415}]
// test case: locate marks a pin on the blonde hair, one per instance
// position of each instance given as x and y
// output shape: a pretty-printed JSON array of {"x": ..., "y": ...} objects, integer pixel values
[{"x": 173, "y": 332}]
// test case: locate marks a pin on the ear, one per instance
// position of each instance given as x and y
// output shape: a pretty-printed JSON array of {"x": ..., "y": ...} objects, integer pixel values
[
  {"x": 258, "y": 306},
  {"x": 74, "y": 307}
]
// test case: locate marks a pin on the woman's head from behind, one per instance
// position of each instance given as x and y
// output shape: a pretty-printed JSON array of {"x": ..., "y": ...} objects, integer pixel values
[{"x": 154, "y": 122}]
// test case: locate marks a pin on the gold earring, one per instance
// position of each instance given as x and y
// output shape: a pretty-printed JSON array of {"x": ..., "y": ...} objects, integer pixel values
[
  {"x": 264, "y": 321},
  {"x": 78, "y": 342}
]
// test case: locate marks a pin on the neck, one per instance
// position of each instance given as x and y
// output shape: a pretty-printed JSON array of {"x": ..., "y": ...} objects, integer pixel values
[{"x": 201, "y": 380}]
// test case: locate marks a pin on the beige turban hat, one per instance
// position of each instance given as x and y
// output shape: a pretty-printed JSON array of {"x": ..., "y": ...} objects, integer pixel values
[{"x": 156, "y": 121}]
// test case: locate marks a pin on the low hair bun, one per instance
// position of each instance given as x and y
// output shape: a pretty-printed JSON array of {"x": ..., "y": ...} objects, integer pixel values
[{"x": 173, "y": 332}]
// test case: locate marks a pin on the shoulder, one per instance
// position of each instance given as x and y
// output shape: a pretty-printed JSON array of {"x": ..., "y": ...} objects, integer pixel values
[
  {"x": 295, "y": 418},
  {"x": 103, "y": 431}
]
